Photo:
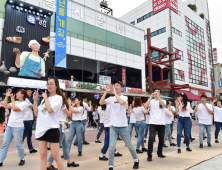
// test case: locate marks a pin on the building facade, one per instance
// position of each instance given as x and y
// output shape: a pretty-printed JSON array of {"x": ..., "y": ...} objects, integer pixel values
[{"x": 177, "y": 28}]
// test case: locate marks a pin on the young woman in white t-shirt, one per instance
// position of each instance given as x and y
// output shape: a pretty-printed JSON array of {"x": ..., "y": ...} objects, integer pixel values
[
  {"x": 64, "y": 112},
  {"x": 47, "y": 126},
  {"x": 139, "y": 111},
  {"x": 184, "y": 121},
  {"x": 15, "y": 124},
  {"x": 132, "y": 120},
  {"x": 76, "y": 127},
  {"x": 217, "y": 117}
]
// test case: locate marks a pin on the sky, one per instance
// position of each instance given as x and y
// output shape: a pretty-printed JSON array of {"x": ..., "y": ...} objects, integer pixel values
[{"x": 120, "y": 7}]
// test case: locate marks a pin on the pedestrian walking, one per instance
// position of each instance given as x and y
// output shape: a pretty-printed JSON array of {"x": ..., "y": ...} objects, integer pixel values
[{"x": 217, "y": 117}]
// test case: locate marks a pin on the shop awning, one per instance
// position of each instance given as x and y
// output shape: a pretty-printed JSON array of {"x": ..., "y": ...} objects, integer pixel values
[{"x": 189, "y": 94}]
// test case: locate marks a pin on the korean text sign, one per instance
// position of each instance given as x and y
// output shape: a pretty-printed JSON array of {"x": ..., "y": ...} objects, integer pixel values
[
  {"x": 160, "y": 5},
  {"x": 61, "y": 26}
]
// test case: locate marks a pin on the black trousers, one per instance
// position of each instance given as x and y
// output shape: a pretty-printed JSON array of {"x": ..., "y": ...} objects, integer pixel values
[{"x": 152, "y": 134}]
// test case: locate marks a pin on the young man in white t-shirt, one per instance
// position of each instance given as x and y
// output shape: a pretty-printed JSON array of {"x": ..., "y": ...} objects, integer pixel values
[
  {"x": 205, "y": 111},
  {"x": 118, "y": 121},
  {"x": 157, "y": 122}
]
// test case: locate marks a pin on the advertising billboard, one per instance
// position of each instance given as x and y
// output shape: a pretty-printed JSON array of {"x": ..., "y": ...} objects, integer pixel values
[
  {"x": 160, "y": 5},
  {"x": 215, "y": 55}
]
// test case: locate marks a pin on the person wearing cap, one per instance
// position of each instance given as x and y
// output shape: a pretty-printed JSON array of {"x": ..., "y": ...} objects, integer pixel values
[
  {"x": 205, "y": 111},
  {"x": 30, "y": 63},
  {"x": 118, "y": 121},
  {"x": 157, "y": 123}
]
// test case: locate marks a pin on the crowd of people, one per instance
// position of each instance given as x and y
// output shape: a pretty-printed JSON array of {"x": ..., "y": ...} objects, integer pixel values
[{"x": 115, "y": 115}]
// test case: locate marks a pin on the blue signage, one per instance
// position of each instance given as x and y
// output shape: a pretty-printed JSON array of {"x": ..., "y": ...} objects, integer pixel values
[
  {"x": 31, "y": 19},
  {"x": 72, "y": 94},
  {"x": 220, "y": 84},
  {"x": 124, "y": 89},
  {"x": 96, "y": 96},
  {"x": 61, "y": 28}
]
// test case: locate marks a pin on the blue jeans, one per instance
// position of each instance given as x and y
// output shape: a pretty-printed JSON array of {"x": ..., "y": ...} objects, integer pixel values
[
  {"x": 106, "y": 141},
  {"x": 63, "y": 142},
  {"x": 28, "y": 133},
  {"x": 100, "y": 130},
  {"x": 17, "y": 134},
  {"x": 146, "y": 130},
  {"x": 140, "y": 138},
  {"x": 168, "y": 133},
  {"x": 83, "y": 137},
  {"x": 184, "y": 123},
  {"x": 201, "y": 132},
  {"x": 76, "y": 128},
  {"x": 218, "y": 125},
  {"x": 131, "y": 125},
  {"x": 124, "y": 134}
]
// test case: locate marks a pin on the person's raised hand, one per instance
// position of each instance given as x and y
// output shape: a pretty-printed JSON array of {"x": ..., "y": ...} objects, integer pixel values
[
  {"x": 8, "y": 93},
  {"x": 36, "y": 95}
]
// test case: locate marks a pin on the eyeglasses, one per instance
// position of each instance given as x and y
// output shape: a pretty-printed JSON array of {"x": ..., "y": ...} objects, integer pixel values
[{"x": 50, "y": 84}]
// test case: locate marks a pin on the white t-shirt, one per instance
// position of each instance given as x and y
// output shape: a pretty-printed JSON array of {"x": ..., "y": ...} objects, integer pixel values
[
  {"x": 106, "y": 116},
  {"x": 117, "y": 111},
  {"x": 86, "y": 107},
  {"x": 132, "y": 117},
  {"x": 45, "y": 120},
  {"x": 62, "y": 116},
  {"x": 139, "y": 113},
  {"x": 147, "y": 119},
  {"x": 95, "y": 115},
  {"x": 157, "y": 114},
  {"x": 168, "y": 117},
  {"x": 29, "y": 114},
  {"x": 185, "y": 113},
  {"x": 78, "y": 116},
  {"x": 204, "y": 116},
  {"x": 172, "y": 118},
  {"x": 16, "y": 118},
  {"x": 99, "y": 110},
  {"x": 217, "y": 114}
]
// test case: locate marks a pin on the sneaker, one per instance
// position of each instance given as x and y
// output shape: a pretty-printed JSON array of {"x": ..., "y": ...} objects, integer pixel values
[
  {"x": 22, "y": 162},
  {"x": 172, "y": 137},
  {"x": 136, "y": 165},
  {"x": 103, "y": 158},
  {"x": 119, "y": 138},
  {"x": 188, "y": 149},
  {"x": 144, "y": 150},
  {"x": 204, "y": 137},
  {"x": 173, "y": 144},
  {"x": 110, "y": 168},
  {"x": 161, "y": 156},
  {"x": 209, "y": 145},
  {"x": 1, "y": 163},
  {"x": 138, "y": 151},
  {"x": 117, "y": 154},
  {"x": 201, "y": 145},
  {"x": 149, "y": 159},
  {"x": 216, "y": 141},
  {"x": 165, "y": 146},
  {"x": 80, "y": 154},
  {"x": 75, "y": 144},
  {"x": 73, "y": 164},
  {"x": 62, "y": 156},
  {"x": 48, "y": 149},
  {"x": 184, "y": 142},
  {"x": 98, "y": 141},
  {"x": 144, "y": 141},
  {"x": 85, "y": 143},
  {"x": 182, "y": 136},
  {"x": 51, "y": 168},
  {"x": 33, "y": 151},
  {"x": 192, "y": 139},
  {"x": 179, "y": 151}
]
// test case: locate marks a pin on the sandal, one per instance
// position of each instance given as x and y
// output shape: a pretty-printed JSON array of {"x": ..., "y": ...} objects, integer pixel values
[{"x": 16, "y": 40}]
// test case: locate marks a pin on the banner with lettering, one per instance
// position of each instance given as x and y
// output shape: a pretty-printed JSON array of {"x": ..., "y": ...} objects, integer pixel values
[
  {"x": 61, "y": 27},
  {"x": 160, "y": 5}
]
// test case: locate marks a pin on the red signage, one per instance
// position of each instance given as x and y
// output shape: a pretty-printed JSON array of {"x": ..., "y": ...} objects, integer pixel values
[
  {"x": 201, "y": 92},
  {"x": 215, "y": 55},
  {"x": 160, "y": 5},
  {"x": 124, "y": 76},
  {"x": 135, "y": 90}
]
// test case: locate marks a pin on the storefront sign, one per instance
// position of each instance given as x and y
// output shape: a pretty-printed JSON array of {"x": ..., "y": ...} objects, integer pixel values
[
  {"x": 41, "y": 22},
  {"x": 96, "y": 96},
  {"x": 86, "y": 85},
  {"x": 215, "y": 55},
  {"x": 73, "y": 94},
  {"x": 61, "y": 27},
  {"x": 31, "y": 19},
  {"x": 160, "y": 5},
  {"x": 78, "y": 12},
  {"x": 124, "y": 76},
  {"x": 135, "y": 90},
  {"x": 104, "y": 79}
]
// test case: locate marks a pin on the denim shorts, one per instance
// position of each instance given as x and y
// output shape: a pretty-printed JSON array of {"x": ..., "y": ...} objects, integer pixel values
[{"x": 51, "y": 136}]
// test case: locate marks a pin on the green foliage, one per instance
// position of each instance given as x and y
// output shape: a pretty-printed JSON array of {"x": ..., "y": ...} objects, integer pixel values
[
  {"x": 193, "y": 7},
  {"x": 202, "y": 15}
]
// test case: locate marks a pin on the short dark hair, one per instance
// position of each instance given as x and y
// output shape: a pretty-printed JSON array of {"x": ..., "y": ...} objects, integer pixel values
[
  {"x": 203, "y": 95},
  {"x": 27, "y": 88},
  {"x": 23, "y": 92},
  {"x": 84, "y": 96},
  {"x": 156, "y": 89}
]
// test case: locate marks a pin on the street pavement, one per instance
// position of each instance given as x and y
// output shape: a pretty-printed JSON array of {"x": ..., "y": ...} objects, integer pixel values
[{"x": 198, "y": 159}]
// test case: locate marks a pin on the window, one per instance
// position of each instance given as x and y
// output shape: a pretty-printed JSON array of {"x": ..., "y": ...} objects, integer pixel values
[
  {"x": 176, "y": 31},
  {"x": 178, "y": 53},
  {"x": 144, "y": 17},
  {"x": 155, "y": 33},
  {"x": 179, "y": 13},
  {"x": 155, "y": 55},
  {"x": 133, "y": 23},
  {"x": 179, "y": 75}
]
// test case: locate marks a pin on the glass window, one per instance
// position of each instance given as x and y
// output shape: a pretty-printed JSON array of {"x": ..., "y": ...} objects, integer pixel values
[
  {"x": 90, "y": 71},
  {"x": 133, "y": 78}
]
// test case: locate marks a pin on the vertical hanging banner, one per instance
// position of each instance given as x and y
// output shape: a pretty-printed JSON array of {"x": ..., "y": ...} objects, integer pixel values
[
  {"x": 215, "y": 55},
  {"x": 61, "y": 27},
  {"x": 124, "y": 76}
]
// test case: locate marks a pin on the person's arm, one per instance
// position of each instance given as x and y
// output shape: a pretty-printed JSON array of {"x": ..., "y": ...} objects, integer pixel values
[
  {"x": 42, "y": 68},
  {"x": 31, "y": 106},
  {"x": 149, "y": 100},
  {"x": 176, "y": 105},
  {"x": 129, "y": 109},
  {"x": 35, "y": 105},
  {"x": 121, "y": 101},
  {"x": 147, "y": 111},
  {"x": 5, "y": 102},
  {"x": 14, "y": 107},
  {"x": 47, "y": 104},
  {"x": 161, "y": 101},
  {"x": 88, "y": 107},
  {"x": 209, "y": 110},
  {"x": 196, "y": 108},
  {"x": 213, "y": 102},
  {"x": 108, "y": 89},
  {"x": 17, "y": 59},
  {"x": 173, "y": 110}
]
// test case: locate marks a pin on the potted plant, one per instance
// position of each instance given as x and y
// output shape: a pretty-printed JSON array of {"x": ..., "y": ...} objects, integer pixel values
[{"x": 2, "y": 117}]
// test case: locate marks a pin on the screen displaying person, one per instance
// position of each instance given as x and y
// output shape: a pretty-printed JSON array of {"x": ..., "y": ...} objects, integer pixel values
[{"x": 30, "y": 63}]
